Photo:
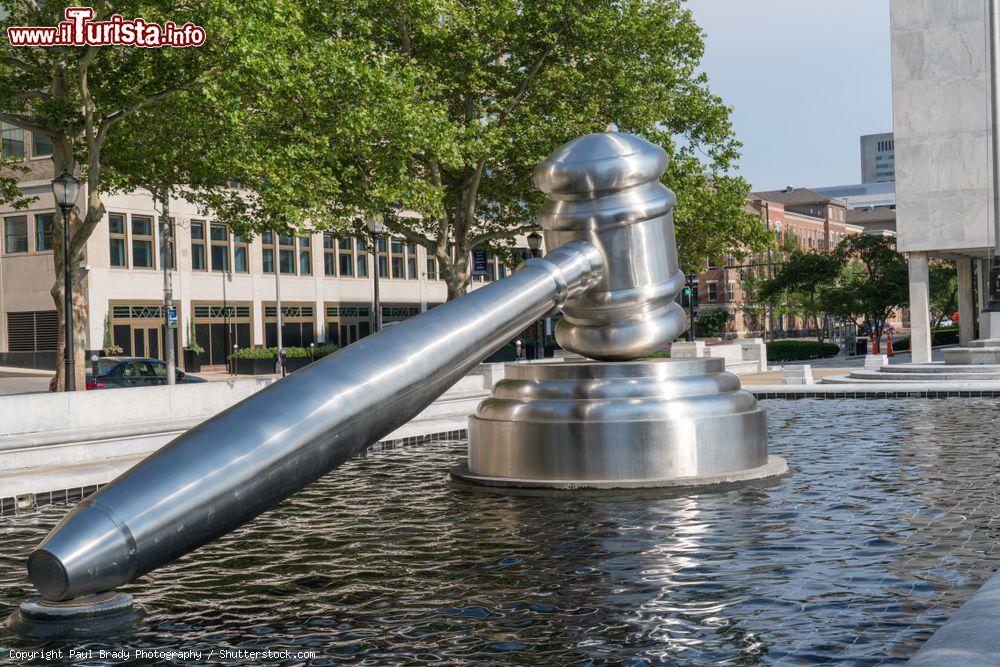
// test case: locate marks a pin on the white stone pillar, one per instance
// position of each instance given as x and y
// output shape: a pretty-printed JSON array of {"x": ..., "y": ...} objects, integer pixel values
[
  {"x": 966, "y": 328},
  {"x": 920, "y": 311}
]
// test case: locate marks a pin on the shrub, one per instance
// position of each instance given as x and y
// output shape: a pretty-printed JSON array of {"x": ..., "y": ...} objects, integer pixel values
[
  {"x": 290, "y": 352},
  {"x": 800, "y": 350},
  {"x": 660, "y": 354}
]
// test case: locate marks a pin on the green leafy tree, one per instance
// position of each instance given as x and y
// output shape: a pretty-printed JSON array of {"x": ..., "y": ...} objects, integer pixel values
[
  {"x": 711, "y": 323},
  {"x": 801, "y": 283},
  {"x": 874, "y": 285},
  {"x": 78, "y": 97},
  {"x": 498, "y": 84},
  {"x": 943, "y": 291}
]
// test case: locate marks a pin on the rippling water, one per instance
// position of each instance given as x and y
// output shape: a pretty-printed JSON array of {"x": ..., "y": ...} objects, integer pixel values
[{"x": 888, "y": 524}]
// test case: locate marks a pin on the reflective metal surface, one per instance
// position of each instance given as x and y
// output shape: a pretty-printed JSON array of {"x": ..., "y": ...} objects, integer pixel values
[
  {"x": 245, "y": 460},
  {"x": 613, "y": 272},
  {"x": 619, "y": 425},
  {"x": 604, "y": 189}
]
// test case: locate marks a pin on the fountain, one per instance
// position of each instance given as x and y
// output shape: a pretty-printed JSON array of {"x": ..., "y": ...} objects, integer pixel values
[{"x": 616, "y": 422}]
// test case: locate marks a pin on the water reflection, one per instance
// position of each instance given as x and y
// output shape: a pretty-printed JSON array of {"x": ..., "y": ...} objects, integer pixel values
[{"x": 887, "y": 525}]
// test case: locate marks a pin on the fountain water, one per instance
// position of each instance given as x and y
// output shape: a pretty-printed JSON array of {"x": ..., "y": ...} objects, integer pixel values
[{"x": 615, "y": 422}]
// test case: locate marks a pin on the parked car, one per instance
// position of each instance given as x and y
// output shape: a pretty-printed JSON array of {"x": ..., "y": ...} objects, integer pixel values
[
  {"x": 117, "y": 372},
  {"x": 946, "y": 322}
]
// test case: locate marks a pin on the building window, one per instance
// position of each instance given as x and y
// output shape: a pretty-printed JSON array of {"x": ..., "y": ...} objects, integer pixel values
[
  {"x": 219, "y": 236},
  {"x": 267, "y": 243},
  {"x": 397, "y": 257},
  {"x": 730, "y": 291},
  {"x": 44, "y": 223},
  {"x": 383, "y": 258},
  {"x": 142, "y": 242},
  {"x": 198, "y": 245},
  {"x": 432, "y": 268},
  {"x": 286, "y": 253},
  {"x": 116, "y": 242},
  {"x": 15, "y": 232},
  {"x": 41, "y": 145},
  {"x": 713, "y": 291},
  {"x": 329, "y": 256},
  {"x": 362, "y": 258},
  {"x": 11, "y": 141},
  {"x": 305, "y": 255},
  {"x": 411, "y": 262},
  {"x": 241, "y": 262}
]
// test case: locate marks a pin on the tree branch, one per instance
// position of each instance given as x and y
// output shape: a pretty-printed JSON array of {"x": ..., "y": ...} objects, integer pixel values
[
  {"x": 21, "y": 65},
  {"x": 26, "y": 123},
  {"x": 115, "y": 116},
  {"x": 504, "y": 234},
  {"x": 409, "y": 234}
]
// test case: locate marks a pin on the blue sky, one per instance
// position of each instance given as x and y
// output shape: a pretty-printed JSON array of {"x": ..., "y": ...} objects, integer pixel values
[{"x": 806, "y": 79}]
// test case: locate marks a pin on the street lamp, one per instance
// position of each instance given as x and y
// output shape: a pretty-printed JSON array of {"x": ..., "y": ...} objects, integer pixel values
[
  {"x": 376, "y": 228},
  {"x": 535, "y": 246},
  {"x": 535, "y": 243},
  {"x": 65, "y": 189}
]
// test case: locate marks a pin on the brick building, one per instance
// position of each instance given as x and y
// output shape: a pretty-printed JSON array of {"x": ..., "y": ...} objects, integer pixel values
[{"x": 817, "y": 223}]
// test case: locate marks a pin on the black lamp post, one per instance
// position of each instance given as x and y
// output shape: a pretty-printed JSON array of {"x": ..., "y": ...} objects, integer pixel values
[
  {"x": 376, "y": 228},
  {"x": 65, "y": 189},
  {"x": 535, "y": 246}
]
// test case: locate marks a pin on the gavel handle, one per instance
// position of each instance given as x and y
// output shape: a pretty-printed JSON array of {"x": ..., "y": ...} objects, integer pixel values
[{"x": 244, "y": 461}]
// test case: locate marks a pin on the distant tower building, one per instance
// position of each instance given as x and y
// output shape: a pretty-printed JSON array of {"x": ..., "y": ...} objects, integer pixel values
[{"x": 878, "y": 158}]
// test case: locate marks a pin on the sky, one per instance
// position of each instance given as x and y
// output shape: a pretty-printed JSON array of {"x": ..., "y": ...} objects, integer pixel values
[{"x": 806, "y": 79}]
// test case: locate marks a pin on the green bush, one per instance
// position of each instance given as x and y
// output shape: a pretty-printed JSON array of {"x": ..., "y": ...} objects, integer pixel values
[
  {"x": 800, "y": 350},
  {"x": 290, "y": 352},
  {"x": 660, "y": 354},
  {"x": 941, "y": 336}
]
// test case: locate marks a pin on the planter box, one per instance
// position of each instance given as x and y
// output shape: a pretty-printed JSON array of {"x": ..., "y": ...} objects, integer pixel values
[
  {"x": 295, "y": 363},
  {"x": 255, "y": 366},
  {"x": 192, "y": 362},
  {"x": 500, "y": 356}
]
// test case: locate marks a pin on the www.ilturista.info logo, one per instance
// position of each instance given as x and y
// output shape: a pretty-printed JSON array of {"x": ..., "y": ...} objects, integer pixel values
[{"x": 80, "y": 30}]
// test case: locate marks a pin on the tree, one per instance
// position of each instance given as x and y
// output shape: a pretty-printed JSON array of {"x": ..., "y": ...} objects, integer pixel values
[
  {"x": 497, "y": 84},
  {"x": 78, "y": 97},
  {"x": 874, "y": 285},
  {"x": 711, "y": 323},
  {"x": 802, "y": 281},
  {"x": 943, "y": 291}
]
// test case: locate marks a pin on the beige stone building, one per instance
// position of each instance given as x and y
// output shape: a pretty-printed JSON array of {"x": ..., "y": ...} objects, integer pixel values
[{"x": 223, "y": 284}]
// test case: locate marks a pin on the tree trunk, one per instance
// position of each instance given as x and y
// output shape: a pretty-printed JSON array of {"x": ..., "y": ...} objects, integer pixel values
[
  {"x": 455, "y": 273},
  {"x": 80, "y": 312}
]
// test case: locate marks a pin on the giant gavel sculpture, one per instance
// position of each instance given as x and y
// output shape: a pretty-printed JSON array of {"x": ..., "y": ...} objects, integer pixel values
[{"x": 611, "y": 423}]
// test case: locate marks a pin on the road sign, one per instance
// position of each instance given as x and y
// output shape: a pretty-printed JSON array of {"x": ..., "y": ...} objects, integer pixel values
[
  {"x": 688, "y": 291},
  {"x": 172, "y": 318}
]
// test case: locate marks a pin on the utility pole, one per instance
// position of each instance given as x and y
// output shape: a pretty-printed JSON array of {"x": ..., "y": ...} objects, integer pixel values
[
  {"x": 770, "y": 301},
  {"x": 277, "y": 298},
  {"x": 169, "y": 315}
]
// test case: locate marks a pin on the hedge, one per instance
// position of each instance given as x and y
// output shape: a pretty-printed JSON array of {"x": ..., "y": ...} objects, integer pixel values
[
  {"x": 941, "y": 336},
  {"x": 290, "y": 352},
  {"x": 800, "y": 350}
]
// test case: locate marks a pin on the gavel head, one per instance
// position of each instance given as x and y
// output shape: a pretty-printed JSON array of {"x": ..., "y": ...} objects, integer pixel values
[{"x": 605, "y": 189}]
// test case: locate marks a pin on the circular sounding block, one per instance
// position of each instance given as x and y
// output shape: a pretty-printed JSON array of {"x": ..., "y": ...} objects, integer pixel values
[
  {"x": 85, "y": 616},
  {"x": 638, "y": 424}
]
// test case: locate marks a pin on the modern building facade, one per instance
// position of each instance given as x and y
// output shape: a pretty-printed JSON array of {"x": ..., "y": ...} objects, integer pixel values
[
  {"x": 941, "y": 118},
  {"x": 878, "y": 158},
  {"x": 862, "y": 195},
  {"x": 224, "y": 284}
]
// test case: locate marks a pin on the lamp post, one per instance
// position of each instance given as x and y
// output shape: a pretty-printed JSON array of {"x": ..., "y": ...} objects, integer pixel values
[
  {"x": 376, "y": 227},
  {"x": 535, "y": 246},
  {"x": 66, "y": 188}
]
